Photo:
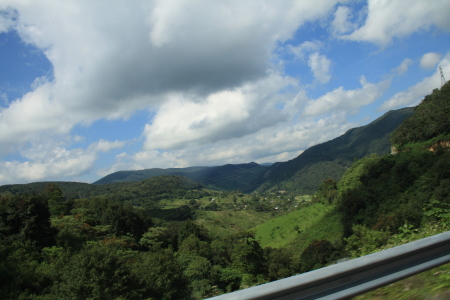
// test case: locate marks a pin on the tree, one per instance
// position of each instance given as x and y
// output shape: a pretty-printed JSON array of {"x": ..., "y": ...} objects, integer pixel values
[
  {"x": 327, "y": 192},
  {"x": 97, "y": 272},
  {"x": 247, "y": 257},
  {"x": 193, "y": 246},
  {"x": 279, "y": 263},
  {"x": 161, "y": 276},
  {"x": 27, "y": 219},
  {"x": 317, "y": 254},
  {"x": 56, "y": 202}
]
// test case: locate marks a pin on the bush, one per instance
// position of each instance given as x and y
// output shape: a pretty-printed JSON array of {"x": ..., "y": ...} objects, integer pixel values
[
  {"x": 316, "y": 255},
  {"x": 365, "y": 241}
]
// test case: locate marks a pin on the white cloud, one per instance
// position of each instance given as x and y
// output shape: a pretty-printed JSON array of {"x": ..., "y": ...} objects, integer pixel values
[
  {"x": 306, "y": 47},
  {"x": 320, "y": 66},
  {"x": 267, "y": 144},
  {"x": 4, "y": 98},
  {"x": 403, "y": 67},
  {"x": 59, "y": 163},
  {"x": 105, "y": 146},
  {"x": 144, "y": 160},
  {"x": 46, "y": 161},
  {"x": 341, "y": 23},
  {"x": 416, "y": 92},
  {"x": 342, "y": 100},
  {"x": 220, "y": 116},
  {"x": 398, "y": 18},
  {"x": 429, "y": 60},
  {"x": 7, "y": 19}
]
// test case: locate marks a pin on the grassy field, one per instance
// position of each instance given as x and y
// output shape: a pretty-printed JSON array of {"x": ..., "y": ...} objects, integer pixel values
[
  {"x": 280, "y": 231},
  {"x": 222, "y": 223}
]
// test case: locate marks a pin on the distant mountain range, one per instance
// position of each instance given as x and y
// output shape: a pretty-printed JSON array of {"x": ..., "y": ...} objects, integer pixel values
[
  {"x": 302, "y": 174},
  {"x": 242, "y": 177}
]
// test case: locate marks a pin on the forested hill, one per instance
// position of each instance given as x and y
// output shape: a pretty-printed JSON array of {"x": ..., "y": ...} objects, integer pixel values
[
  {"x": 142, "y": 192},
  {"x": 242, "y": 177},
  {"x": 330, "y": 159},
  {"x": 429, "y": 125}
]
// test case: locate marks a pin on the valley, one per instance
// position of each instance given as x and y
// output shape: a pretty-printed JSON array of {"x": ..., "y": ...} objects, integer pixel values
[{"x": 197, "y": 232}]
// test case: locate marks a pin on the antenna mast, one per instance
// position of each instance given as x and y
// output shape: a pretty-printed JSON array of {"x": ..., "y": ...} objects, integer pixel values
[{"x": 442, "y": 76}]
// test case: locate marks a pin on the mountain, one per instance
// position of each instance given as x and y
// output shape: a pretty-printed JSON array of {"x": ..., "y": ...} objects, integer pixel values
[
  {"x": 330, "y": 159},
  {"x": 242, "y": 177},
  {"x": 302, "y": 174}
]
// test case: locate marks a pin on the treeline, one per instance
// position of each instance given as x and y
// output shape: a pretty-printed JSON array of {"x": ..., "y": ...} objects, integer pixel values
[{"x": 144, "y": 193}]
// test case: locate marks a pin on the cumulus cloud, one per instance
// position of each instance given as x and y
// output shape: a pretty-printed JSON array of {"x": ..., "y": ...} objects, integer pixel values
[
  {"x": 341, "y": 23},
  {"x": 146, "y": 159},
  {"x": 270, "y": 144},
  {"x": 110, "y": 60},
  {"x": 306, "y": 47},
  {"x": 44, "y": 162},
  {"x": 320, "y": 66},
  {"x": 220, "y": 116},
  {"x": 403, "y": 67},
  {"x": 105, "y": 146},
  {"x": 6, "y": 19},
  {"x": 429, "y": 60},
  {"x": 341, "y": 99},
  {"x": 415, "y": 93},
  {"x": 398, "y": 18}
]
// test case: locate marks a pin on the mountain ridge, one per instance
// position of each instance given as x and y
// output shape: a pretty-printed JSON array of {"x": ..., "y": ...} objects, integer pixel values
[{"x": 302, "y": 174}]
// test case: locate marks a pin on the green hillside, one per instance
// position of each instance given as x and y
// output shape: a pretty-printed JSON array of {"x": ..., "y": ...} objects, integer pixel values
[
  {"x": 304, "y": 173},
  {"x": 280, "y": 231}
]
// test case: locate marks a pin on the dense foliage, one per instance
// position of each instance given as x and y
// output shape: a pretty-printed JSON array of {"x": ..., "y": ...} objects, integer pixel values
[
  {"x": 390, "y": 191},
  {"x": 430, "y": 122},
  {"x": 53, "y": 247}
]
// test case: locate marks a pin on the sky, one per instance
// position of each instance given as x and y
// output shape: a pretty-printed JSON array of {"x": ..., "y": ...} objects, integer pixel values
[{"x": 88, "y": 88}]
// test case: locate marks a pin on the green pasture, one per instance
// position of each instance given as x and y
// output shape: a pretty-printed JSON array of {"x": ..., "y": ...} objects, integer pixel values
[{"x": 280, "y": 231}]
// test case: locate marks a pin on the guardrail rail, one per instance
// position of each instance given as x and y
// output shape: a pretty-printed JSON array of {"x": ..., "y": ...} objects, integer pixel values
[{"x": 356, "y": 276}]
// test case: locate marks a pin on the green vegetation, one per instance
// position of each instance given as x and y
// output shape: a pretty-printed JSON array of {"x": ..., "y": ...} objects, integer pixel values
[
  {"x": 280, "y": 231},
  {"x": 223, "y": 223},
  {"x": 168, "y": 237},
  {"x": 430, "y": 122}
]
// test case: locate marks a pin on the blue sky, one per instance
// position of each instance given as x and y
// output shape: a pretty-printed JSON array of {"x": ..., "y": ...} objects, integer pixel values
[{"x": 88, "y": 88}]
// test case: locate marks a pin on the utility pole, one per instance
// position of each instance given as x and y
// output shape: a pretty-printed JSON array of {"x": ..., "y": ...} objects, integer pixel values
[{"x": 442, "y": 76}]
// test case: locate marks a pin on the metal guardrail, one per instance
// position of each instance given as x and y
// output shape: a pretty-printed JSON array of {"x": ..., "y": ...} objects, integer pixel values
[{"x": 356, "y": 276}]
